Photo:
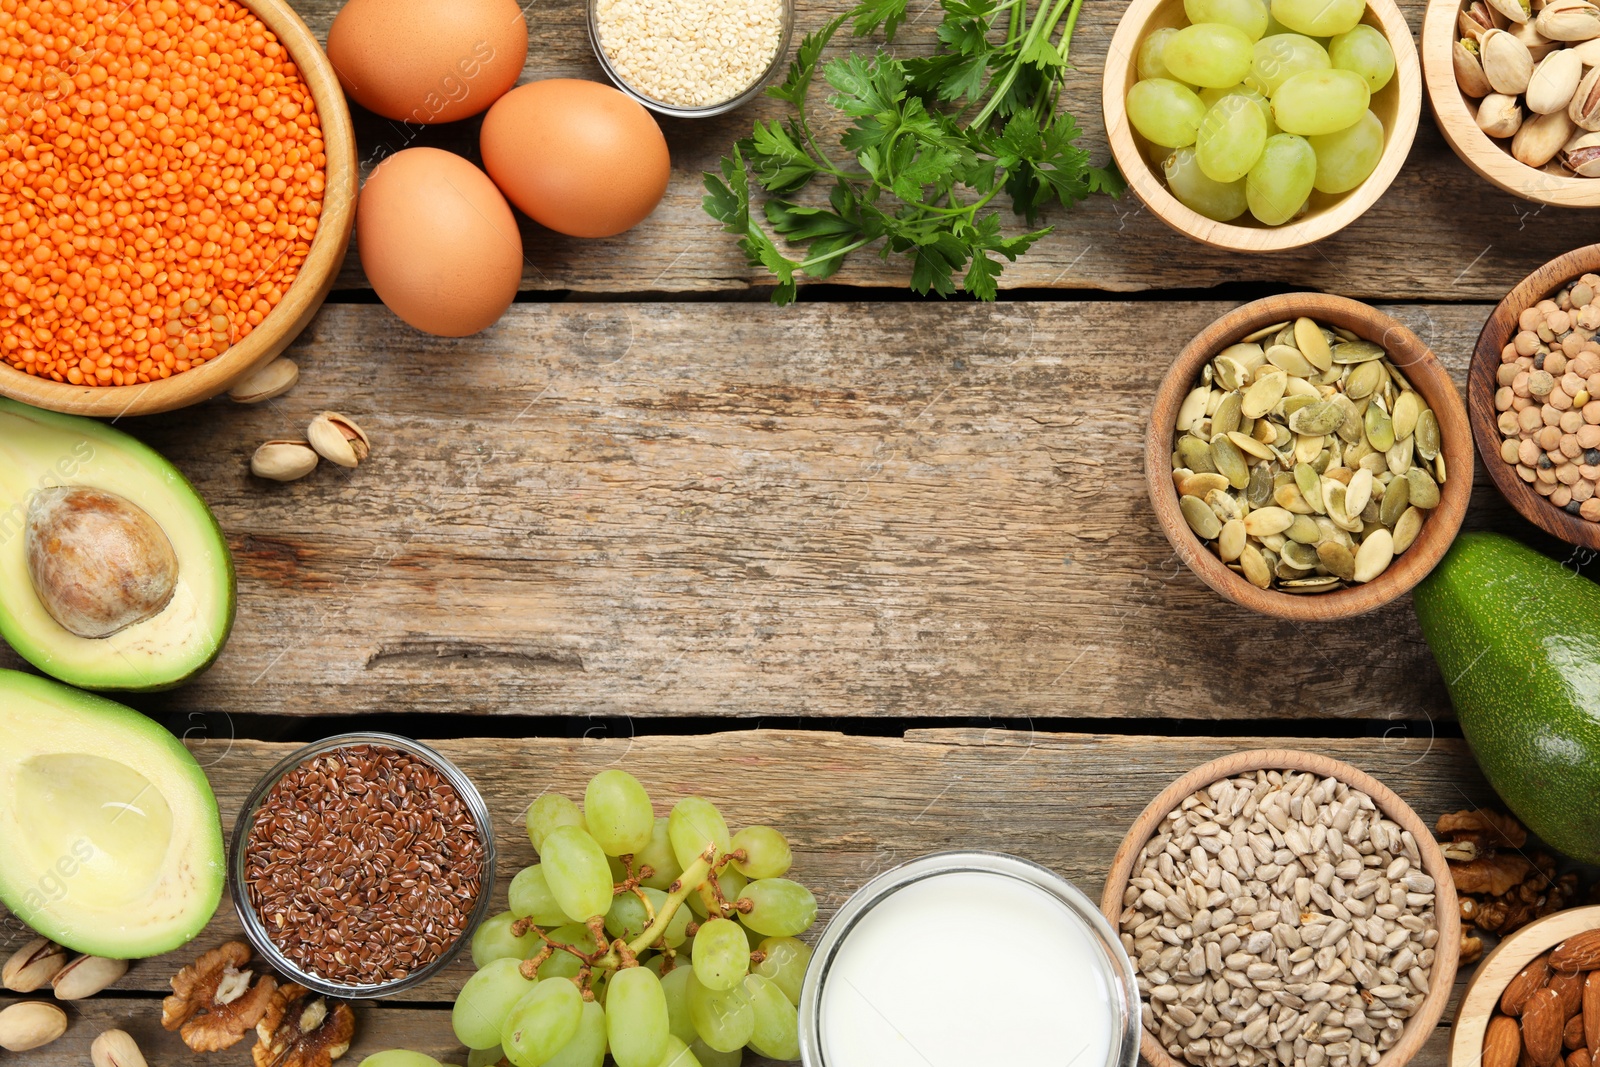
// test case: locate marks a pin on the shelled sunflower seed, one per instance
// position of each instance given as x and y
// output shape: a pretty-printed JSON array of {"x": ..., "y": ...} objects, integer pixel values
[
  {"x": 1304, "y": 458},
  {"x": 1279, "y": 918}
]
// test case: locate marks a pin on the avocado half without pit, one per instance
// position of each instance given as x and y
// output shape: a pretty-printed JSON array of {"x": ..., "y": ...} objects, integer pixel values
[
  {"x": 113, "y": 572},
  {"x": 109, "y": 829}
]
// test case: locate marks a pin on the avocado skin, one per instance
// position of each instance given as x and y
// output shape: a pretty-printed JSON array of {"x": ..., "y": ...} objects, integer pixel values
[{"x": 1517, "y": 638}]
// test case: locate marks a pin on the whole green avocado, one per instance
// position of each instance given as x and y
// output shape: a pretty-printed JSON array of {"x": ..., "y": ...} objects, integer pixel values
[{"x": 1517, "y": 637}]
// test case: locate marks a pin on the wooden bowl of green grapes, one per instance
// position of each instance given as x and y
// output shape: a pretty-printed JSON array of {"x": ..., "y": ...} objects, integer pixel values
[{"x": 1261, "y": 125}]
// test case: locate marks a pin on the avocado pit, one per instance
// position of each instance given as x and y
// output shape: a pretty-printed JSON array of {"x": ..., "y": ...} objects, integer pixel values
[{"x": 99, "y": 562}]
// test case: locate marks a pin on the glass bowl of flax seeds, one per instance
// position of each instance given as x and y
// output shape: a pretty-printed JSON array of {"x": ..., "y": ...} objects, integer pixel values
[{"x": 362, "y": 864}]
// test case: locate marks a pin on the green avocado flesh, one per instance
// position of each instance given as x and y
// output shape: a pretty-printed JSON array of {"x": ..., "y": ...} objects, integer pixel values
[
  {"x": 109, "y": 829},
  {"x": 42, "y": 450},
  {"x": 1517, "y": 637}
]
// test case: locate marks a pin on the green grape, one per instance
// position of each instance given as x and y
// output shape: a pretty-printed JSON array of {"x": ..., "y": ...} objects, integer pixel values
[
  {"x": 1366, "y": 51},
  {"x": 1315, "y": 102},
  {"x": 493, "y": 940},
  {"x": 785, "y": 965},
  {"x": 397, "y": 1057},
  {"x": 755, "y": 937},
  {"x": 588, "y": 1046},
  {"x": 560, "y": 965},
  {"x": 722, "y": 955},
  {"x": 485, "y": 1001},
  {"x": 617, "y": 811},
  {"x": 628, "y": 918},
  {"x": 1220, "y": 201},
  {"x": 1250, "y": 16},
  {"x": 1150, "y": 63},
  {"x": 1319, "y": 18},
  {"x": 777, "y": 907},
  {"x": 481, "y": 1057},
  {"x": 766, "y": 850},
  {"x": 1279, "y": 184},
  {"x": 576, "y": 870},
  {"x": 732, "y": 884},
  {"x": 1230, "y": 141},
  {"x": 547, "y": 813},
  {"x": 659, "y": 857},
  {"x": 530, "y": 898},
  {"x": 1165, "y": 112},
  {"x": 1345, "y": 158},
  {"x": 565, "y": 964},
  {"x": 1208, "y": 54},
  {"x": 710, "y": 1057},
  {"x": 777, "y": 1026},
  {"x": 541, "y": 1023},
  {"x": 678, "y": 1055},
  {"x": 694, "y": 824},
  {"x": 724, "y": 1020},
  {"x": 1209, "y": 97},
  {"x": 1281, "y": 56},
  {"x": 675, "y": 987},
  {"x": 637, "y": 1023}
]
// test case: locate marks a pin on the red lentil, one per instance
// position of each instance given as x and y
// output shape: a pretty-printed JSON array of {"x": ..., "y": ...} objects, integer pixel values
[{"x": 161, "y": 177}]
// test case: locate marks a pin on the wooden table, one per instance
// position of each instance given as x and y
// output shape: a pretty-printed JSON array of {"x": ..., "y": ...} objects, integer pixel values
[{"x": 878, "y": 571}]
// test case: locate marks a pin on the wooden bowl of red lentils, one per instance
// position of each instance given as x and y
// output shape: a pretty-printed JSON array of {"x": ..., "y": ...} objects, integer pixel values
[
  {"x": 1533, "y": 397},
  {"x": 179, "y": 191}
]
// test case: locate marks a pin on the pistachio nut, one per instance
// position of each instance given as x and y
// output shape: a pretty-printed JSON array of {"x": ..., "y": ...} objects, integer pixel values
[
  {"x": 1477, "y": 18},
  {"x": 31, "y": 1024},
  {"x": 1588, "y": 51},
  {"x": 1499, "y": 115},
  {"x": 116, "y": 1048},
  {"x": 33, "y": 965},
  {"x": 1553, "y": 82},
  {"x": 1469, "y": 71},
  {"x": 1506, "y": 62},
  {"x": 1513, "y": 10},
  {"x": 1537, "y": 44},
  {"x": 338, "y": 439},
  {"x": 1585, "y": 106},
  {"x": 1569, "y": 20},
  {"x": 283, "y": 461},
  {"x": 86, "y": 976},
  {"x": 1581, "y": 155},
  {"x": 265, "y": 383},
  {"x": 1540, "y": 138}
]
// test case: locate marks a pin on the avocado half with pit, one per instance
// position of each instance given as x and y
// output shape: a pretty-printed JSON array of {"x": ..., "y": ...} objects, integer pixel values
[
  {"x": 113, "y": 572},
  {"x": 109, "y": 829}
]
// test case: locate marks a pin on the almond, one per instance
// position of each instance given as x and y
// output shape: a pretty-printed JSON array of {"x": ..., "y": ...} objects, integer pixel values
[
  {"x": 1580, "y": 952},
  {"x": 1541, "y": 1027},
  {"x": 1579, "y": 1058},
  {"x": 1502, "y": 1043},
  {"x": 1528, "y": 981},
  {"x": 1570, "y": 986},
  {"x": 1572, "y": 1036},
  {"x": 1591, "y": 1012}
]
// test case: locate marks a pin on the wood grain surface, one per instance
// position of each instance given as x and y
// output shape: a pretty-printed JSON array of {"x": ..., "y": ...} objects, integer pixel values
[
  {"x": 1440, "y": 233},
  {"x": 852, "y": 808},
  {"x": 735, "y": 510}
]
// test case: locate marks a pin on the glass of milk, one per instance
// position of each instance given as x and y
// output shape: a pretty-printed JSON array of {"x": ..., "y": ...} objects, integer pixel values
[{"x": 969, "y": 959}]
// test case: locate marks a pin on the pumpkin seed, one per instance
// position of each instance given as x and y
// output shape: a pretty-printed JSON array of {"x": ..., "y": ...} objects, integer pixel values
[
  {"x": 1264, "y": 394},
  {"x": 1290, "y": 360},
  {"x": 1380, "y": 428},
  {"x": 1313, "y": 344},
  {"x": 1193, "y": 407},
  {"x": 1265, "y": 332},
  {"x": 1201, "y": 484},
  {"x": 1309, "y": 483},
  {"x": 1406, "y": 530},
  {"x": 1399, "y": 457},
  {"x": 1268, "y": 520},
  {"x": 1201, "y": 519},
  {"x": 1225, "y": 419},
  {"x": 1407, "y": 410},
  {"x": 1357, "y": 352},
  {"x": 1290, "y": 499},
  {"x": 1424, "y": 491},
  {"x": 1396, "y": 498},
  {"x": 1338, "y": 559},
  {"x": 1195, "y": 454},
  {"x": 1363, "y": 381},
  {"x": 1427, "y": 434},
  {"x": 1301, "y": 557},
  {"x": 1374, "y": 556},
  {"x": 1320, "y": 584},
  {"x": 1307, "y": 447},
  {"x": 1251, "y": 446},
  {"x": 1304, "y": 530},
  {"x": 1358, "y": 491},
  {"x": 1317, "y": 418},
  {"x": 1259, "y": 491},
  {"x": 1438, "y": 465},
  {"x": 1376, "y": 462},
  {"x": 1230, "y": 462},
  {"x": 1350, "y": 430},
  {"x": 1226, "y": 507},
  {"x": 1254, "y": 566},
  {"x": 1230, "y": 540}
]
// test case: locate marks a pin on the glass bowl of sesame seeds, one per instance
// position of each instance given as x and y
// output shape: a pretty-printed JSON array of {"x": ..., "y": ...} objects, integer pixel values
[
  {"x": 691, "y": 58},
  {"x": 362, "y": 864}
]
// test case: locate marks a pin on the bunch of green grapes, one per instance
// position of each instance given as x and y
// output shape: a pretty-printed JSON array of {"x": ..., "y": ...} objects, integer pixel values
[
  {"x": 663, "y": 941},
  {"x": 1252, "y": 108}
]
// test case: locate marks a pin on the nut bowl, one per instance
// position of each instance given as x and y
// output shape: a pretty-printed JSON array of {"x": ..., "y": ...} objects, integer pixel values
[
  {"x": 1447, "y": 947},
  {"x": 303, "y": 298},
  {"x": 1398, "y": 104},
  {"x": 1426, "y": 374}
]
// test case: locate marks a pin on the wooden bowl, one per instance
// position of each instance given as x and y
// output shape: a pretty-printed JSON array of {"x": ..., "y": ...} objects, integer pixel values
[
  {"x": 1481, "y": 386},
  {"x": 1456, "y": 117},
  {"x": 298, "y": 305},
  {"x": 1499, "y": 967},
  {"x": 1398, "y": 105},
  {"x": 1420, "y": 1026},
  {"x": 1426, "y": 374}
]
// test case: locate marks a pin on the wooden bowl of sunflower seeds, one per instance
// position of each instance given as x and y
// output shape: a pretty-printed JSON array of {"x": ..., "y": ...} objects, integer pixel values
[
  {"x": 1308, "y": 457},
  {"x": 1284, "y": 909}
]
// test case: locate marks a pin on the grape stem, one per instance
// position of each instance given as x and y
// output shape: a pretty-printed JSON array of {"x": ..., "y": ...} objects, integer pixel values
[{"x": 692, "y": 878}]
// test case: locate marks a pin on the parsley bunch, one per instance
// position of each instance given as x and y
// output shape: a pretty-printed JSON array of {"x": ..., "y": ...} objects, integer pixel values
[{"x": 932, "y": 141}]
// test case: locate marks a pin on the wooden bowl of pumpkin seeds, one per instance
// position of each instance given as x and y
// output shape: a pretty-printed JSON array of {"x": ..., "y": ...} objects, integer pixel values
[{"x": 1309, "y": 457}]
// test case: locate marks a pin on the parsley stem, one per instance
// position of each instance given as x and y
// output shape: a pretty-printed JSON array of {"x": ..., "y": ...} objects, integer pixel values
[{"x": 835, "y": 254}]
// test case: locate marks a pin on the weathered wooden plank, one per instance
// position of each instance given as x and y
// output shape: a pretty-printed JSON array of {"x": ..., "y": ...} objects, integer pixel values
[
  {"x": 834, "y": 510},
  {"x": 1440, "y": 232},
  {"x": 854, "y": 807}
]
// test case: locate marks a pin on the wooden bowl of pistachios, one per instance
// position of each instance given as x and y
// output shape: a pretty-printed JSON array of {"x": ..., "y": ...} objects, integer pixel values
[{"x": 1515, "y": 87}]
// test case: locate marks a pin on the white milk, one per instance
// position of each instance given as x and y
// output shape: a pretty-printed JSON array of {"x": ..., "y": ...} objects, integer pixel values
[{"x": 968, "y": 969}]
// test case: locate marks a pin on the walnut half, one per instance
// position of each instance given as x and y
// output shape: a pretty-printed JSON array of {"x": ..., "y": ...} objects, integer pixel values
[
  {"x": 302, "y": 1029},
  {"x": 213, "y": 1001}
]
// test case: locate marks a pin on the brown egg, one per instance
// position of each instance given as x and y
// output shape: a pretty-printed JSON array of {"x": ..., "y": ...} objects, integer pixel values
[
  {"x": 577, "y": 156},
  {"x": 428, "y": 60},
  {"x": 438, "y": 242}
]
